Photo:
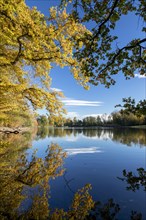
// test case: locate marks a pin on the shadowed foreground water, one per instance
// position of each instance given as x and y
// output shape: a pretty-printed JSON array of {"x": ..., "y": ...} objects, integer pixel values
[{"x": 45, "y": 172}]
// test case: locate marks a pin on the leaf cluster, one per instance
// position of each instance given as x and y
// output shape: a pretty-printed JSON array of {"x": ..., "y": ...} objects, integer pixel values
[
  {"x": 31, "y": 45},
  {"x": 130, "y": 106},
  {"x": 104, "y": 57}
]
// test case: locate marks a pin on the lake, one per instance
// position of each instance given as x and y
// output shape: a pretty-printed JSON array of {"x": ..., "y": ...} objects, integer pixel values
[{"x": 42, "y": 172}]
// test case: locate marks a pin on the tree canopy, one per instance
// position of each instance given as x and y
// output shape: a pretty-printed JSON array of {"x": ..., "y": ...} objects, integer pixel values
[
  {"x": 32, "y": 44},
  {"x": 103, "y": 55},
  {"x": 130, "y": 106}
]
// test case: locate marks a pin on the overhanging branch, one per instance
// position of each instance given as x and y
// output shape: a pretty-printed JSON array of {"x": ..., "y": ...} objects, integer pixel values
[
  {"x": 122, "y": 49},
  {"x": 106, "y": 20}
]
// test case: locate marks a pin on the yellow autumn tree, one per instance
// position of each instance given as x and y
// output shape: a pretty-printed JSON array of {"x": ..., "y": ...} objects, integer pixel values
[{"x": 30, "y": 45}]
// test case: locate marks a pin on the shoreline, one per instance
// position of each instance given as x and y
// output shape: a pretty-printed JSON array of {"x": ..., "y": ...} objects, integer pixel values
[
  {"x": 18, "y": 130},
  {"x": 102, "y": 127}
]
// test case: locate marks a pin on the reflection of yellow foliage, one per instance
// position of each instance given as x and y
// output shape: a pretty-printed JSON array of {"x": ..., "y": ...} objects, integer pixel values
[
  {"x": 80, "y": 208},
  {"x": 19, "y": 175},
  {"x": 16, "y": 172},
  {"x": 12, "y": 147},
  {"x": 82, "y": 204},
  {"x": 39, "y": 208},
  {"x": 38, "y": 171}
]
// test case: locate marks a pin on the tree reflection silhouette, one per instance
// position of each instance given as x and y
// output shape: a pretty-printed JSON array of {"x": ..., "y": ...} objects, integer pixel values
[
  {"x": 19, "y": 175},
  {"x": 24, "y": 179},
  {"x": 126, "y": 136},
  {"x": 134, "y": 182}
]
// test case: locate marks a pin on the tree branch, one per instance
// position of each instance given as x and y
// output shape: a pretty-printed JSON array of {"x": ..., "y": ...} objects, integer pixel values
[
  {"x": 8, "y": 17},
  {"x": 120, "y": 50},
  {"x": 19, "y": 50},
  {"x": 106, "y": 20}
]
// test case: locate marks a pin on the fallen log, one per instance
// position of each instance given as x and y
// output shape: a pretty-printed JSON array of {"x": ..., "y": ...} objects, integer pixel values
[{"x": 7, "y": 130}]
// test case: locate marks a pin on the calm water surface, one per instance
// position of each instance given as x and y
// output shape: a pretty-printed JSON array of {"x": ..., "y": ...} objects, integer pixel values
[{"x": 94, "y": 156}]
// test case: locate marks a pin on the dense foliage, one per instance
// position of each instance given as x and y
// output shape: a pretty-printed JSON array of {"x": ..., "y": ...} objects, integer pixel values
[
  {"x": 32, "y": 44},
  {"x": 104, "y": 55},
  {"x": 117, "y": 118},
  {"x": 130, "y": 106}
]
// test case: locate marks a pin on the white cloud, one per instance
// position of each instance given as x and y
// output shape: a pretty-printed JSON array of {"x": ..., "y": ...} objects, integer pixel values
[
  {"x": 75, "y": 102},
  {"x": 139, "y": 76},
  {"x": 92, "y": 115},
  {"x": 78, "y": 116},
  {"x": 105, "y": 116},
  {"x": 72, "y": 114},
  {"x": 56, "y": 90}
]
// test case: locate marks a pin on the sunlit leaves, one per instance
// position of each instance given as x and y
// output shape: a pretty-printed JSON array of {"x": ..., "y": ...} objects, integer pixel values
[
  {"x": 38, "y": 171},
  {"x": 82, "y": 203},
  {"x": 31, "y": 45},
  {"x": 17, "y": 172}
]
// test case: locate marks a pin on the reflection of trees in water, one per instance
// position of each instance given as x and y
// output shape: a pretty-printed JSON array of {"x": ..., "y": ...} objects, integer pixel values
[
  {"x": 99, "y": 133},
  {"x": 130, "y": 136},
  {"x": 12, "y": 147},
  {"x": 92, "y": 133},
  {"x": 26, "y": 181},
  {"x": 134, "y": 182},
  {"x": 62, "y": 132},
  {"x": 126, "y": 136},
  {"x": 18, "y": 174},
  {"x": 42, "y": 132}
]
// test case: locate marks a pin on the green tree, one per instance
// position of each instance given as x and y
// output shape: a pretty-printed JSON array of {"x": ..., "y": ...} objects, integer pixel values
[
  {"x": 130, "y": 106},
  {"x": 31, "y": 44},
  {"x": 68, "y": 122},
  {"x": 125, "y": 119},
  {"x": 98, "y": 120}
]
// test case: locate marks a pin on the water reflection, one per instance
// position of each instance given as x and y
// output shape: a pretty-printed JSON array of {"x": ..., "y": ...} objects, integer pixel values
[
  {"x": 42, "y": 132},
  {"x": 125, "y": 136},
  {"x": 11, "y": 149},
  {"x": 134, "y": 182},
  {"x": 89, "y": 150},
  {"x": 26, "y": 181},
  {"x": 130, "y": 136},
  {"x": 25, "y": 188}
]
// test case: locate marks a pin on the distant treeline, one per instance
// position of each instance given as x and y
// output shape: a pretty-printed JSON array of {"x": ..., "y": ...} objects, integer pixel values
[{"x": 114, "y": 119}]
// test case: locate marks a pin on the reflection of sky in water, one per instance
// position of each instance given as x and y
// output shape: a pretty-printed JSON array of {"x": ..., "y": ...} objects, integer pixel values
[
  {"x": 73, "y": 138},
  {"x": 89, "y": 150},
  {"x": 97, "y": 157}
]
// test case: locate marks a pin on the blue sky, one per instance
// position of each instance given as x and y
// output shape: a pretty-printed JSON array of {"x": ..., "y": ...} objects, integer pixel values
[{"x": 98, "y": 100}]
